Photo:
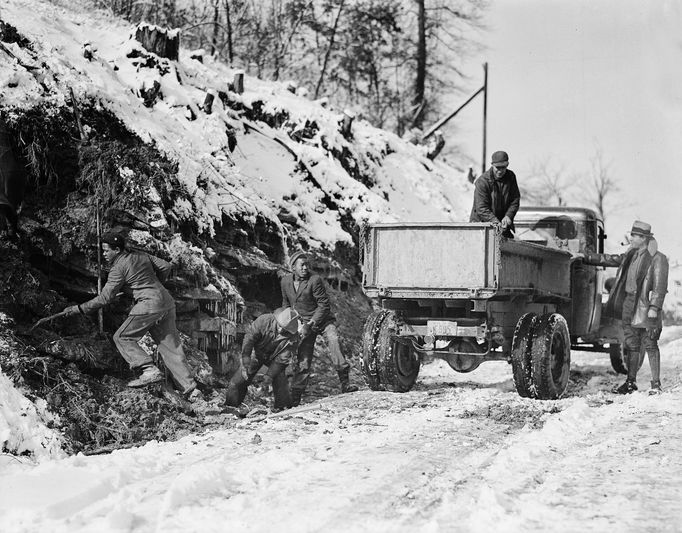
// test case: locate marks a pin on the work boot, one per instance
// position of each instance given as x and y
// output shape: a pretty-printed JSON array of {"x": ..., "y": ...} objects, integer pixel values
[
  {"x": 240, "y": 412},
  {"x": 345, "y": 381},
  {"x": 655, "y": 388},
  {"x": 626, "y": 388},
  {"x": 296, "y": 395},
  {"x": 193, "y": 395},
  {"x": 150, "y": 374}
]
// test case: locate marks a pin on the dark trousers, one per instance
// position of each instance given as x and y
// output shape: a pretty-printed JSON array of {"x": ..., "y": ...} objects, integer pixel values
[
  {"x": 637, "y": 341},
  {"x": 238, "y": 386},
  {"x": 306, "y": 349}
]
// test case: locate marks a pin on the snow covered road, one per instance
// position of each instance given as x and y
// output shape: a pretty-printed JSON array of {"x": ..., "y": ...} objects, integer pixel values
[{"x": 462, "y": 452}]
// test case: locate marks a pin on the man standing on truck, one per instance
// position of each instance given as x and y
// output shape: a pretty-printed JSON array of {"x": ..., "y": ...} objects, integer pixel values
[
  {"x": 153, "y": 312},
  {"x": 637, "y": 298},
  {"x": 307, "y": 294},
  {"x": 497, "y": 196}
]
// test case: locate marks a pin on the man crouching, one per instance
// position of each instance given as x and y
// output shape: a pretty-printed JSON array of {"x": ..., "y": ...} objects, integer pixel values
[{"x": 273, "y": 337}]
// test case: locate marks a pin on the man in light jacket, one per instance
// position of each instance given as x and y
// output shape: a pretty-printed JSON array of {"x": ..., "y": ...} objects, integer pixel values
[
  {"x": 153, "y": 312},
  {"x": 636, "y": 298}
]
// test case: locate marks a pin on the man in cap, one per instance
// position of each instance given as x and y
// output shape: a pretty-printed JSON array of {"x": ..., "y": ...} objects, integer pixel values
[
  {"x": 496, "y": 195},
  {"x": 307, "y": 294},
  {"x": 637, "y": 297},
  {"x": 272, "y": 337},
  {"x": 153, "y": 312}
]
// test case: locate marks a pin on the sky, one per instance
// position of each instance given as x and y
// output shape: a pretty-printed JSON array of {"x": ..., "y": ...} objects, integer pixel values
[{"x": 569, "y": 76}]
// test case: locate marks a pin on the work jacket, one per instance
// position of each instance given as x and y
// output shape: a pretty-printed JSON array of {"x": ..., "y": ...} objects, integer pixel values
[
  {"x": 310, "y": 300},
  {"x": 654, "y": 289},
  {"x": 495, "y": 199},
  {"x": 269, "y": 344},
  {"x": 138, "y": 274},
  {"x": 614, "y": 306}
]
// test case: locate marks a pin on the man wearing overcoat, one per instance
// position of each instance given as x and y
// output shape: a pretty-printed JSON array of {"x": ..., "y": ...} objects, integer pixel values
[{"x": 636, "y": 297}]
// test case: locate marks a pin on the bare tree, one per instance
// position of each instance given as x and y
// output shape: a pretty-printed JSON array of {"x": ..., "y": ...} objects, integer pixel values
[
  {"x": 547, "y": 184},
  {"x": 601, "y": 187}
]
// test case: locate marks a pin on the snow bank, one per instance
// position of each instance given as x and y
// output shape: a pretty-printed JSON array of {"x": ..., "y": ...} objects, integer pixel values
[
  {"x": 383, "y": 177},
  {"x": 23, "y": 424}
]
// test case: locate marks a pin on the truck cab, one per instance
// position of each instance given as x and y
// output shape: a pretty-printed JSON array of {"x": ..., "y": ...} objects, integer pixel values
[{"x": 577, "y": 230}]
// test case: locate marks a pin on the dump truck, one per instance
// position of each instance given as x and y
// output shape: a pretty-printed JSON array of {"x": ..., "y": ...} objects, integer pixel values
[{"x": 466, "y": 294}]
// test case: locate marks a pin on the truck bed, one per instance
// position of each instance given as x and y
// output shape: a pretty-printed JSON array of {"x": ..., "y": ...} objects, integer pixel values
[{"x": 458, "y": 260}]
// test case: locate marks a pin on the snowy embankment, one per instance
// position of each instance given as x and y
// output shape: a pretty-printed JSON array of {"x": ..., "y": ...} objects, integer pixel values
[
  {"x": 461, "y": 452},
  {"x": 23, "y": 424},
  {"x": 96, "y": 56}
]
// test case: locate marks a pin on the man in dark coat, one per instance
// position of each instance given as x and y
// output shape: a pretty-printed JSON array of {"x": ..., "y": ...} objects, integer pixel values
[
  {"x": 272, "y": 338},
  {"x": 497, "y": 196},
  {"x": 636, "y": 303},
  {"x": 154, "y": 312},
  {"x": 307, "y": 294}
]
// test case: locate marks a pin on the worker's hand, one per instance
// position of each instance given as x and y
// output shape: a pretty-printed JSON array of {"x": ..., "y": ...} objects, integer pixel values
[
  {"x": 305, "y": 330},
  {"x": 71, "y": 310},
  {"x": 266, "y": 384},
  {"x": 506, "y": 222},
  {"x": 652, "y": 313}
]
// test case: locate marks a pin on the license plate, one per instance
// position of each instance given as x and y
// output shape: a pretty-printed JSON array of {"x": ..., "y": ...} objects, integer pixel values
[{"x": 439, "y": 328}]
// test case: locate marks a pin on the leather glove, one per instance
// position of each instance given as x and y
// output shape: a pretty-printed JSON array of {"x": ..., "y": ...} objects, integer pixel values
[
  {"x": 506, "y": 222},
  {"x": 71, "y": 310}
]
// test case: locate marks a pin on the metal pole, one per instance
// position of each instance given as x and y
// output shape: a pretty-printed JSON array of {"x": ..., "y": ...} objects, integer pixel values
[
  {"x": 485, "y": 112},
  {"x": 441, "y": 122}
]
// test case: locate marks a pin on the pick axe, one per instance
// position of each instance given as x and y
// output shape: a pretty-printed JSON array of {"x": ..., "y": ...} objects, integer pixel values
[{"x": 47, "y": 319}]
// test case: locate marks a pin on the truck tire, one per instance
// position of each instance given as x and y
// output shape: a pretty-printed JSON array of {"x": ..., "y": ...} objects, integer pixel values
[
  {"x": 369, "y": 363},
  {"x": 397, "y": 361},
  {"x": 550, "y": 357},
  {"x": 521, "y": 354},
  {"x": 617, "y": 356}
]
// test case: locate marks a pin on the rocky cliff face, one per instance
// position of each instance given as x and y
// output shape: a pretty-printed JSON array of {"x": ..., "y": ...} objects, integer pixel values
[{"x": 223, "y": 183}]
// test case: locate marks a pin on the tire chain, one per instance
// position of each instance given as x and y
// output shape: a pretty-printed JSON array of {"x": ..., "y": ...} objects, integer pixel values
[
  {"x": 522, "y": 368},
  {"x": 545, "y": 388},
  {"x": 368, "y": 362}
]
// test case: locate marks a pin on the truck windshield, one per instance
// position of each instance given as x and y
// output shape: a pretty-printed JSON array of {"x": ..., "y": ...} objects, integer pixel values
[{"x": 559, "y": 231}]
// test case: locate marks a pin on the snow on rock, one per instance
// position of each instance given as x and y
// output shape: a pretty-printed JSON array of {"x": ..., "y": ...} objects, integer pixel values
[
  {"x": 385, "y": 179},
  {"x": 24, "y": 424}
]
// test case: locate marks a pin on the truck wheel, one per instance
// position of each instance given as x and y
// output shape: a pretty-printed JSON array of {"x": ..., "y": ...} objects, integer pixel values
[
  {"x": 618, "y": 358},
  {"x": 520, "y": 354},
  {"x": 369, "y": 363},
  {"x": 550, "y": 357},
  {"x": 398, "y": 362}
]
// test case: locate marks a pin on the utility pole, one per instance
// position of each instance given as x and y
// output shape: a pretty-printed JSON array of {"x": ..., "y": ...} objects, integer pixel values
[{"x": 485, "y": 112}]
